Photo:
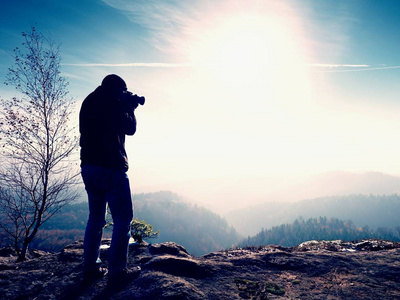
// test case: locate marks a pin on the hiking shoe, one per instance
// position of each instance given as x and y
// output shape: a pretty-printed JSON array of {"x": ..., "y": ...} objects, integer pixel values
[
  {"x": 93, "y": 275},
  {"x": 124, "y": 277}
]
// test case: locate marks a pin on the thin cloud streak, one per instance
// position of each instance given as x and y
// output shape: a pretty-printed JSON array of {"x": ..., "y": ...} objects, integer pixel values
[
  {"x": 146, "y": 65},
  {"x": 355, "y": 68},
  {"x": 338, "y": 66},
  {"x": 359, "y": 68}
]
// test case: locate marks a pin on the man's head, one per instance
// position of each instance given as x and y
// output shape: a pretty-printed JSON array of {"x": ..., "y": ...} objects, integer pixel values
[{"x": 114, "y": 84}]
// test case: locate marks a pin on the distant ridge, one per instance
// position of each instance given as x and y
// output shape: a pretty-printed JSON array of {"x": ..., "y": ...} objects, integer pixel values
[
  {"x": 366, "y": 199},
  {"x": 347, "y": 183}
]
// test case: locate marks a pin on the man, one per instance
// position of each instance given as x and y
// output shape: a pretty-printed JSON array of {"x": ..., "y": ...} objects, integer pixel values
[{"x": 106, "y": 116}]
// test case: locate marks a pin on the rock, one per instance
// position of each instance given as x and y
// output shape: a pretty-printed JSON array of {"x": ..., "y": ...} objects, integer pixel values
[
  {"x": 168, "y": 248},
  {"x": 72, "y": 253},
  {"x": 339, "y": 245},
  {"x": 178, "y": 266},
  {"x": 312, "y": 270},
  {"x": 153, "y": 286},
  {"x": 8, "y": 252}
]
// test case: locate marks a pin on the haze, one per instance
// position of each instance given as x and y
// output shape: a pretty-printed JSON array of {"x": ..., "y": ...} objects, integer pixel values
[{"x": 243, "y": 98}]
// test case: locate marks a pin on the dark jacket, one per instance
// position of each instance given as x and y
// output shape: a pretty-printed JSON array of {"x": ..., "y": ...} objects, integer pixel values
[{"x": 104, "y": 120}]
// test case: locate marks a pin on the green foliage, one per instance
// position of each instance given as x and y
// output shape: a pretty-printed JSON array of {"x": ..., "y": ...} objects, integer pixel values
[
  {"x": 109, "y": 220},
  {"x": 250, "y": 289},
  {"x": 140, "y": 230},
  {"x": 273, "y": 288}
]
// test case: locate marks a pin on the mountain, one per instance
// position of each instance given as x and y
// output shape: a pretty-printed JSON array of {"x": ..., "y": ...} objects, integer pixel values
[
  {"x": 321, "y": 228},
  {"x": 363, "y": 210},
  {"x": 223, "y": 194},
  {"x": 362, "y": 270},
  {"x": 196, "y": 228},
  {"x": 340, "y": 183}
]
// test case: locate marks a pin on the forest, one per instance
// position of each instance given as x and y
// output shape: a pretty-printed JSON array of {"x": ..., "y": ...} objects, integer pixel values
[
  {"x": 198, "y": 229},
  {"x": 364, "y": 210},
  {"x": 202, "y": 231},
  {"x": 321, "y": 228}
]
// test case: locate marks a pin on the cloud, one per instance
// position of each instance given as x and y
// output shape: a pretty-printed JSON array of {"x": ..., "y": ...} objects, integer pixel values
[
  {"x": 351, "y": 68},
  {"x": 338, "y": 66},
  {"x": 163, "y": 19},
  {"x": 172, "y": 23},
  {"x": 146, "y": 65}
]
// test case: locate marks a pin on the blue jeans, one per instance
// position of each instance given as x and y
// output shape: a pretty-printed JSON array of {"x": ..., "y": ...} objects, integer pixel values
[{"x": 104, "y": 185}]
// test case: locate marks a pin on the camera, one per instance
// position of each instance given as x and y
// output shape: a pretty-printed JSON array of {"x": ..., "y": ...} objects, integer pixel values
[{"x": 133, "y": 99}]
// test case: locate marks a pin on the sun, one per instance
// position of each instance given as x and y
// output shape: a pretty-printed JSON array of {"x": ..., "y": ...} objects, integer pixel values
[
  {"x": 240, "y": 41},
  {"x": 250, "y": 53},
  {"x": 249, "y": 89}
]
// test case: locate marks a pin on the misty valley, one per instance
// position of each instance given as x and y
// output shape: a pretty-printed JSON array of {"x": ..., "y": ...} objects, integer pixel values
[{"x": 202, "y": 231}]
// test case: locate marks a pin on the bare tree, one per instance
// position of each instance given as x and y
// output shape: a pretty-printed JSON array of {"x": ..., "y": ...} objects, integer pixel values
[{"x": 37, "y": 174}]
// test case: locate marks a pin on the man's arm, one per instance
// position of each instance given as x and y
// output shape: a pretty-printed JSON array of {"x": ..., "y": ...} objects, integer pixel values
[{"x": 129, "y": 122}]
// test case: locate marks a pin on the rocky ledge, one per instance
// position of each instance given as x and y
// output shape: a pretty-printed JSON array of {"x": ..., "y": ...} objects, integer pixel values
[{"x": 367, "y": 269}]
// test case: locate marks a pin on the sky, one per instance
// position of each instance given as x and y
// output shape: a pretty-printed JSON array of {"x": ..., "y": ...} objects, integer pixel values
[{"x": 241, "y": 96}]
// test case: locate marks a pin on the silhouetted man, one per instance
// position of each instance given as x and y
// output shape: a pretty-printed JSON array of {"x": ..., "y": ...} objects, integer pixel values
[{"x": 104, "y": 120}]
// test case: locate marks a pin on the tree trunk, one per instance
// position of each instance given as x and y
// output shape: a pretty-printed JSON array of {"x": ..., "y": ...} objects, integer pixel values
[
  {"x": 24, "y": 250},
  {"x": 28, "y": 239},
  {"x": 16, "y": 247}
]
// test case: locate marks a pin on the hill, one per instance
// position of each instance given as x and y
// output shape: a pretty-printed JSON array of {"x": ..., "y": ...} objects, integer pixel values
[
  {"x": 364, "y": 210},
  {"x": 198, "y": 229},
  {"x": 224, "y": 194},
  {"x": 340, "y": 183},
  {"x": 316, "y": 270},
  {"x": 321, "y": 228}
]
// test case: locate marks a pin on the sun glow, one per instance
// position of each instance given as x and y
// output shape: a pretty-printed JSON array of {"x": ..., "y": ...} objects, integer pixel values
[
  {"x": 243, "y": 102},
  {"x": 251, "y": 53},
  {"x": 248, "y": 91}
]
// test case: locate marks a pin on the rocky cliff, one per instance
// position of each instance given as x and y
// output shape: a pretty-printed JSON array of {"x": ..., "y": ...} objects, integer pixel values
[{"x": 313, "y": 270}]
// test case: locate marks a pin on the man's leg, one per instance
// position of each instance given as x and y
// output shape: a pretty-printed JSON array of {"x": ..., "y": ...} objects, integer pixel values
[
  {"x": 120, "y": 203},
  {"x": 96, "y": 221}
]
